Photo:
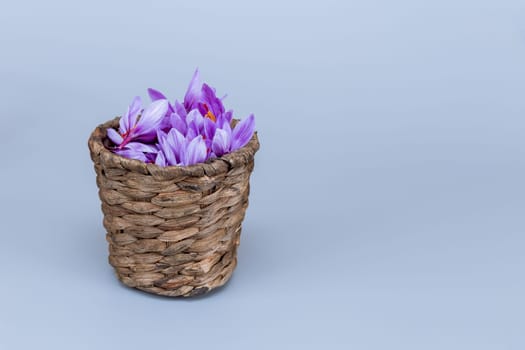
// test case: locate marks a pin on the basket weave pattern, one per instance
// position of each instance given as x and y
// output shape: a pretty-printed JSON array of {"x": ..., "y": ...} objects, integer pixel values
[{"x": 172, "y": 231}]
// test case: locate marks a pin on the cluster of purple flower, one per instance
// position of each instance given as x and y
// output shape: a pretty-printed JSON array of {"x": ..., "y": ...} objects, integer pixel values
[{"x": 183, "y": 133}]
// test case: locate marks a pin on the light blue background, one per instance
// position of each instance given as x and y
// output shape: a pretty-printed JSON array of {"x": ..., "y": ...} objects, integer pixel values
[{"x": 388, "y": 199}]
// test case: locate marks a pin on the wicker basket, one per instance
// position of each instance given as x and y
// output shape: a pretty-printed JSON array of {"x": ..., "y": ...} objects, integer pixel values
[{"x": 174, "y": 230}]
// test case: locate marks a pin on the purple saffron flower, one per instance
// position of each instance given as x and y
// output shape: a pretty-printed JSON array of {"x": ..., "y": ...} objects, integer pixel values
[
  {"x": 126, "y": 122},
  {"x": 225, "y": 140},
  {"x": 211, "y": 106},
  {"x": 133, "y": 128},
  {"x": 181, "y": 134},
  {"x": 175, "y": 149}
]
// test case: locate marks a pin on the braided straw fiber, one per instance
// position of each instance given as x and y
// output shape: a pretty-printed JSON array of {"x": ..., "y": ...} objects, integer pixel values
[{"x": 174, "y": 230}]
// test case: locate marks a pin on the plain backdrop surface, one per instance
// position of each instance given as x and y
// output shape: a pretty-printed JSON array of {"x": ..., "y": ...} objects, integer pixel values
[{"x": 388, "y": 199}]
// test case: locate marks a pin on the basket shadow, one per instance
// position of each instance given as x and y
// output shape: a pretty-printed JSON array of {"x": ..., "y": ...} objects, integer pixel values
[
  {"x": 214, "y": 292},
  {"x": 89, "y": 249}
]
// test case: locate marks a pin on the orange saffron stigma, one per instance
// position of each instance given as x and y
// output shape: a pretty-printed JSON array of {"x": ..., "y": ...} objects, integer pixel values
[{"x": 210, "y": 115}]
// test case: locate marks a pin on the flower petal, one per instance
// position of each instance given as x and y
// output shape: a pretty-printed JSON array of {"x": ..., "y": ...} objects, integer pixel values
[
  {"x": 221, "y": 142},
  {"x": 194, "y": 121},
  {"x": 243, "y": 132},
  {"x": 177, "y": 142},
  {"x": 180, "y": 110},
  {"x": 131, "y": 154},
  {"x": 160, "y": 160},
  {"x": 194, "y": 115},
  {"x": 207, "y": 142},
  {"x": 177, "y": 122},
  {"x": 191, "y": 134},
  {"x": 227, "y": 127},
  {"x": 135, "y": 107},
  {"x": 165, "y": 147},
  {"x": 129, "y": 119},
  {"x": 196, "y": 151},
  {"x": 212, "y": 101},
  {"x": 150, "y": 119},
  {"x": 141, "y": 147},
  {"x": 114, "y": 136},
  {"x": 193, "y": 94},
  {"x": 156, "y": 95},
  {"x": 209, "y": 128},
  {"x": 228, "y": 116}
]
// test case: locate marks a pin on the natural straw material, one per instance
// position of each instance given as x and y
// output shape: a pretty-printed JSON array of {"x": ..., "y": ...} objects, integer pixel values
[{"x": 172, "y": 230}]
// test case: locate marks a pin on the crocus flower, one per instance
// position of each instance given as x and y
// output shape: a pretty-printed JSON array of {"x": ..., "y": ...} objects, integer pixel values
[
  {"x": 211, "y": 106},
  {"x": 126, "y": 122},
  {"x": 175, "y": 149},
  {"x": 225, "y": 140},
  {"x": 181, "y": 134},
  {"x": 135, "y": 128},
  {"x": 202, "y": 97}
]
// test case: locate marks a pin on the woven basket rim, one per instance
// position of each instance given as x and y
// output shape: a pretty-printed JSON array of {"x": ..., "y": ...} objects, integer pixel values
[{"x": 211, "y": 167}]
